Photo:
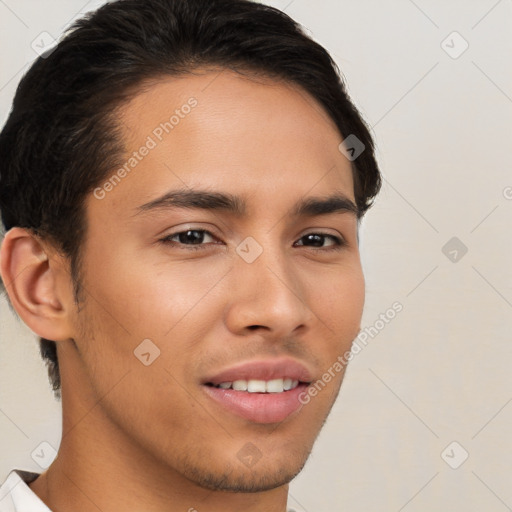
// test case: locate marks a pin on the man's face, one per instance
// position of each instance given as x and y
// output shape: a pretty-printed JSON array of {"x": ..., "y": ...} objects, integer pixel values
[{"x": 258, "y": 297}]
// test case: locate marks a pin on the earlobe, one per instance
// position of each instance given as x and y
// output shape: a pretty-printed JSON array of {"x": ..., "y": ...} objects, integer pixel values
[{"x": 31, "y": 277}]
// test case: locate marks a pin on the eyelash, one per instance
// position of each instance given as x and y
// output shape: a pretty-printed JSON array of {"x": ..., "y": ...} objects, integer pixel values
[{"x": 339, "y": 243}]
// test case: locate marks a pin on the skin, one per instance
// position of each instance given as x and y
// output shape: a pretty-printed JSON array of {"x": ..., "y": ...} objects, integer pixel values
[{"x": 139, "y": 437}]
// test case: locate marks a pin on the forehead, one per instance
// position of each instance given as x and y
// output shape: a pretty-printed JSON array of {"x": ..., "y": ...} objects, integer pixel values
[{"x": 217, "y": 129}]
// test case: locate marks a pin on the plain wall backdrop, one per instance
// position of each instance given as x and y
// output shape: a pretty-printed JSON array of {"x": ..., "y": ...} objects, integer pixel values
[{"x": 423, "y": 419}]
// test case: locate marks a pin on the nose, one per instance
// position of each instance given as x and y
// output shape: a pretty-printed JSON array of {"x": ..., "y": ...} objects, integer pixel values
[{"x": 268, "y": 295}]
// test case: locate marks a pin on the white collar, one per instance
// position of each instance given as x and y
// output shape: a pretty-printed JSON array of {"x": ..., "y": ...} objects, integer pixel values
[{"x": 17, "y": 496}]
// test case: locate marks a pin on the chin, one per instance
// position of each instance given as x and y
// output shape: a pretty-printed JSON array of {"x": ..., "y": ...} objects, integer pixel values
[
  {"x": 248, "y": 481},
  {"x": 261, "y": 476}
]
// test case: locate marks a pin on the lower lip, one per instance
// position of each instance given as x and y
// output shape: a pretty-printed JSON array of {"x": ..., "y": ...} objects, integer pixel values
[{"x": 258, "y": 407}]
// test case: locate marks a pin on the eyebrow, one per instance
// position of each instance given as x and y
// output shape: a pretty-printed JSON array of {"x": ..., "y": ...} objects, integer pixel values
[{"x": 219, "y": 201}]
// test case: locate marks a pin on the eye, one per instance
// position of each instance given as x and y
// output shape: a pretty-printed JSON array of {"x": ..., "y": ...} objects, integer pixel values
[
  {"x": 192, "y": 238},
  {"x": 317, "y": 240}
]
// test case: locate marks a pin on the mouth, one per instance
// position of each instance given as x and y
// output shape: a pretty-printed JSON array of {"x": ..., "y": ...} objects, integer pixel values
[
  {"x": 259, "y": 386},
  {"x": 260, "y": 392}
]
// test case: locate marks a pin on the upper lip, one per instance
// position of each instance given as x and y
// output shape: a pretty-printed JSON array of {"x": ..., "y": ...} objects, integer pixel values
[{"x": 262, "y": 369}]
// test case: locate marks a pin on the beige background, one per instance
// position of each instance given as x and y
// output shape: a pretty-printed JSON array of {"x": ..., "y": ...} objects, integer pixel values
[{"x": 439, "y": 372}]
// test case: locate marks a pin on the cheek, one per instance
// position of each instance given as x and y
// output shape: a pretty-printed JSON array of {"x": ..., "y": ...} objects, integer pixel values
[
  {"x": 339, "y": 304},
  {"x": 146, "y": 296},
  {"x": 351, "y": 299}
]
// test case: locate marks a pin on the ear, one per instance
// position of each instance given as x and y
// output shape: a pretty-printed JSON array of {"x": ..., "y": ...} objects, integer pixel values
[{"x": 38, "y": 284}]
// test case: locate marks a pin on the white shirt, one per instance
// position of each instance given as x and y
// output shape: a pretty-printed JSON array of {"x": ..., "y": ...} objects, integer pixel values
[{"x": 16, "y": 495}]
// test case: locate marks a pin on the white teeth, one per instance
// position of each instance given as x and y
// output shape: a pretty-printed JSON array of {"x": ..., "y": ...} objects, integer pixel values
[
  {"x": 261, "y": 386},
  {"x": 256, "y": 386},
  {"x": 275, "y": 386},
  {"x": 240, "y": 385}
]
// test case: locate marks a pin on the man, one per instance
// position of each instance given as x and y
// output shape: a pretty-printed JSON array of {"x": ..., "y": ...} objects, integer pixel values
[{"x": 181, "y": 187}]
